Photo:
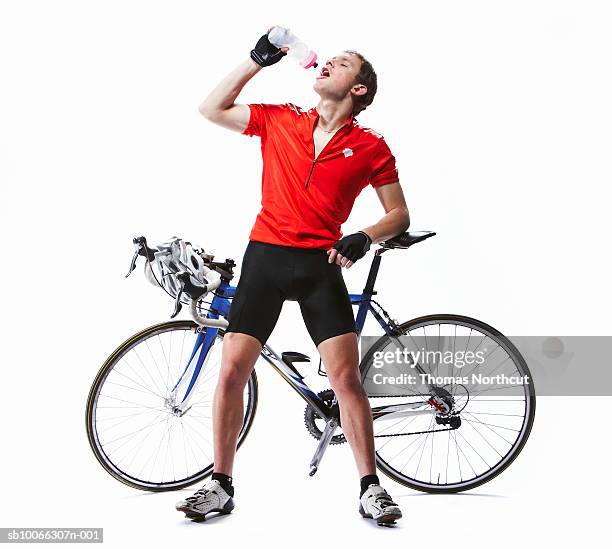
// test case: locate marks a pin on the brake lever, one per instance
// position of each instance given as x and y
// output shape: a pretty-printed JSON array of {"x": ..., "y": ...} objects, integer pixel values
[
  {"x": 133, "y": 264},
  {"x": 177, "y": 303},
  {"x": 193, "y": 291},
  {"x": 141, "y": 248}
]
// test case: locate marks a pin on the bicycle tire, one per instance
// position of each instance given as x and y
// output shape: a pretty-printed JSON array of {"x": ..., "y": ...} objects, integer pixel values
[
  {"x": 527, "y": 423},
  {"x": 250, "y": 410}
]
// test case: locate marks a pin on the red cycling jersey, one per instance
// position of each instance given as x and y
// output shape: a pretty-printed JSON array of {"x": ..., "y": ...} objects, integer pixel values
[{"x": 305, "y": 201}]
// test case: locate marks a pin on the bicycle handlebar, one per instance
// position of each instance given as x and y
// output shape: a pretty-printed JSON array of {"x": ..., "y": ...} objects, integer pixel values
[
  {"x": 194, "y": 292},
  {"x": 202, "y": 320}
]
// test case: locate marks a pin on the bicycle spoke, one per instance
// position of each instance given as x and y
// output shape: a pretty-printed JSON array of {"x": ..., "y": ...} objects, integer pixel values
[
  {"x": 144, "y": 384},
  {"x": 147, "y": 389},
  {"x": 161, "y": 377},
  {"x": 487, "y": 428},
  {"x": 136, "y": 429}
]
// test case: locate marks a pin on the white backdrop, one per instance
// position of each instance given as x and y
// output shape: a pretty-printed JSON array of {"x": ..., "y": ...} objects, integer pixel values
[{"x": 499, "y": 115}]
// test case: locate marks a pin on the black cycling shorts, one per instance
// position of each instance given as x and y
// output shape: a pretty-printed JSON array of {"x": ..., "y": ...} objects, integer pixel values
[{"x": 272, "y": 273}]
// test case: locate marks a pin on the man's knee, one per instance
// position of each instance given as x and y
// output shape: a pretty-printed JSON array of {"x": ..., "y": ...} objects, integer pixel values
[
  {"x": 233, "y": 376},
  {"x": 346, "y": 381},
  {"x": 240, "y": 352}
]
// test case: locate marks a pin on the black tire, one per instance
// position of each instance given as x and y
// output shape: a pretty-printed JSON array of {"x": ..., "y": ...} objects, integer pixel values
[
  {"x": 530, "y": 403},
  {"x": 250, "y": 410}
]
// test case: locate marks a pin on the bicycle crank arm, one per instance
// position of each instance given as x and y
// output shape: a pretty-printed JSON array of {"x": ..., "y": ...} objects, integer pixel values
[{"x": 327, "y": 435}]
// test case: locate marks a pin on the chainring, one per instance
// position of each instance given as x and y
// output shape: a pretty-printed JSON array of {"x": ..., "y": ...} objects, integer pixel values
[{"x": 310, "y": 417}]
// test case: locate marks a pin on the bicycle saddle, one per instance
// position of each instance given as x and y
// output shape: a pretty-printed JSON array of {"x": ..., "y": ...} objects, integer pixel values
[{"x": 407, "y": 239}]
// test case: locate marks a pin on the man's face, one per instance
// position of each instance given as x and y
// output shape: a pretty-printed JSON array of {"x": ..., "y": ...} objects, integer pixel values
[{"x": 337, "y": 76}]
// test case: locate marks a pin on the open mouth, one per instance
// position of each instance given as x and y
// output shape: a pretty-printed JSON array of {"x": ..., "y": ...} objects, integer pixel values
[{"x": 324, "y": 73}]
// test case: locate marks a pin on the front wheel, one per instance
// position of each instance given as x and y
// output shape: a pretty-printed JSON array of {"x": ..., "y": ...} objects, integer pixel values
[
  {"x": 431, "y": 449},
  {"x": 132, "y": 428}
]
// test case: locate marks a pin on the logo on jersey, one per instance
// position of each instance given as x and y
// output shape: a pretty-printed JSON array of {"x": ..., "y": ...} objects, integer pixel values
[{"x": 347, "y": 153}]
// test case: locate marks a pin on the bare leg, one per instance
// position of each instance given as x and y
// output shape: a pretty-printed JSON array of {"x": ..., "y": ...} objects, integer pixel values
[
  {"x": 238, "y": 356},
  {"x": 340, "y": 355}
]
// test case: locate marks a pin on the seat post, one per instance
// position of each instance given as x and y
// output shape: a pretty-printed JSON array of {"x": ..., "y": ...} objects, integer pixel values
[{"x": 369, "y": 287}]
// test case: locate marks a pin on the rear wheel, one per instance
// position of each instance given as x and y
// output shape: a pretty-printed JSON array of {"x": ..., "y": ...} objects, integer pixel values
[
  {"x": 132, "y": 429},
  {"x": 433, "y": 452}
]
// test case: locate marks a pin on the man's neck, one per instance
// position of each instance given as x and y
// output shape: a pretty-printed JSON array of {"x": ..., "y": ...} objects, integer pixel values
[{"x": 332, "y": 115}]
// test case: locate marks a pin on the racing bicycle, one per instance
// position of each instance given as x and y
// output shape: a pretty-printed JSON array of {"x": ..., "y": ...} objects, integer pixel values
[{"x": 149, "y": 410}]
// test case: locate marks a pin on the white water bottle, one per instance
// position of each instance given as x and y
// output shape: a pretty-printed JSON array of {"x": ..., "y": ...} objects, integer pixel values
[{"x": 282, "y": 37}]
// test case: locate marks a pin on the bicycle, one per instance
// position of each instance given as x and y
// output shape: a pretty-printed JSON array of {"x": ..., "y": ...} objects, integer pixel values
[{"x": 166, "y": 409}]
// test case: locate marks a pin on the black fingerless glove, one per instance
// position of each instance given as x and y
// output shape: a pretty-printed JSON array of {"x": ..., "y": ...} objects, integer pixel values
[
  {"x": 265, "y": 53},
  {"x": 354, "y": 246}
]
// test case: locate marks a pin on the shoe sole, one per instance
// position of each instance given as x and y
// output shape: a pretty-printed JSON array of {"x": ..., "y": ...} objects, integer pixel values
[
  {"x": 201, "y": 517},
  {"x": 384, "y": 520}
]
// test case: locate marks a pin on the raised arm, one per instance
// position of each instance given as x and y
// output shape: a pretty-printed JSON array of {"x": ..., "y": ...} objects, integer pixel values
[{"x": 220, "y": 107}]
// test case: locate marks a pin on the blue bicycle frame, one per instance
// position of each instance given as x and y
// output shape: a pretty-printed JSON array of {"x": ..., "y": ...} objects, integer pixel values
[{"x": 220, "y": 306}]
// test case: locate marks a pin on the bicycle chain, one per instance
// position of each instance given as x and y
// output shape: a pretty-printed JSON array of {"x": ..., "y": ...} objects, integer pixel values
[
  {"x": 310, "y": 415},
  {"x": 341, "y": 438},
  {"x": 417, "y": 433},
  {"x": 411, "y": 433}
]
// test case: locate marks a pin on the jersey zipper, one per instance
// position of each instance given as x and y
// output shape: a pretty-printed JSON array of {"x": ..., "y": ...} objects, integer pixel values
[
  {"x": 311, "y": 168},
  {"x": 314, "y": 160}
]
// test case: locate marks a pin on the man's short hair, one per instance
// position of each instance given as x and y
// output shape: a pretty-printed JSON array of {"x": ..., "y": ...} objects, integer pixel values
[{"x": 367, "y": 77}]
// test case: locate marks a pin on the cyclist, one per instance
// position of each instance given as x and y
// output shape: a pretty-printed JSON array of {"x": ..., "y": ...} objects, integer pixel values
[{"x": 315, "y": 163}]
